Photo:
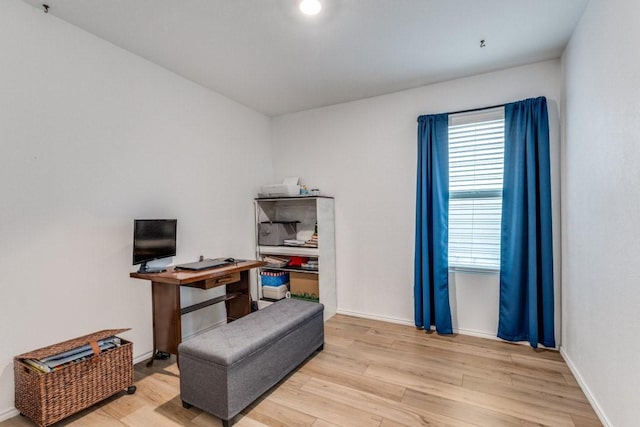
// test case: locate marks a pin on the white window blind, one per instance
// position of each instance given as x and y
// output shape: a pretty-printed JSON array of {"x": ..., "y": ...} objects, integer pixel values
[{"x": 476, "y": 157}]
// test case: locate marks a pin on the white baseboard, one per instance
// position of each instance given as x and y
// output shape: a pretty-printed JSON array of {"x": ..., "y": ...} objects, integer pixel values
[
  {"x": 410, "y": 323},
  {"x": 478, "y": 334},
  {"x": 142, "y": 357},
  {"x": 585, "y": 389},
  {"x": 461, "y": 331},
  {"x": 202, "y": 331},
  {"x": 146, "y": 356},
  {"x": 8, "y": 413},
  {"x": 494, "y": 336},
  {"x": 375, "y": 317}
]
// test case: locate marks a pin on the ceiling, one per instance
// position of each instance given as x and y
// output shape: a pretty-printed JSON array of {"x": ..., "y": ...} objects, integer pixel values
[{"x": 268, "y": 56}]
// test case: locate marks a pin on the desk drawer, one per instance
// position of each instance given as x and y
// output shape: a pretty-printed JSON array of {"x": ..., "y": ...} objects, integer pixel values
[{"x": 222, "y": 280}]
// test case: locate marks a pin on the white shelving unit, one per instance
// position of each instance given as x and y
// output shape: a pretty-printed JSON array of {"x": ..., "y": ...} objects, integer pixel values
[{"x": 307, "y": 211}]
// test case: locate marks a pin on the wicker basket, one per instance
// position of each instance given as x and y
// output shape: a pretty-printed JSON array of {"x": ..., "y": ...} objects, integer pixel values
[{"x": 49, "y": 397}]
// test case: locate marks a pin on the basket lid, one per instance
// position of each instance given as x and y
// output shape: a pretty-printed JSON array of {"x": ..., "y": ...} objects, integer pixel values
[{"x": 70, "y": 344}]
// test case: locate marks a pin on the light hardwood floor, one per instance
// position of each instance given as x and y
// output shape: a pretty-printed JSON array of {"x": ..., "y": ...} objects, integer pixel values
[{"x": 377, "y": 374}]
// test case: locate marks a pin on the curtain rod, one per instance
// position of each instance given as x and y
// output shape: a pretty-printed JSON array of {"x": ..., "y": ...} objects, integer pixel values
[
  {"x": 469, "y": 111},
  {"x": 477, "y": 109}
]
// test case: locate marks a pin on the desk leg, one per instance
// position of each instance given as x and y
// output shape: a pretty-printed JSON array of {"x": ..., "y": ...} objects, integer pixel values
[
  {"x": 167, "y": 325},
  {"x": 240, "y": 306}
]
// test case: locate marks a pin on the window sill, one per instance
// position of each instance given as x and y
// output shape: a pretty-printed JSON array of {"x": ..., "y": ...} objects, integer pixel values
[{"x": 474, "y": 270}]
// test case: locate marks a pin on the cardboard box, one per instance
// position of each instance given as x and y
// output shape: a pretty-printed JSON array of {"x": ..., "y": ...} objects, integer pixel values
[{"x": 304, "y": 283}]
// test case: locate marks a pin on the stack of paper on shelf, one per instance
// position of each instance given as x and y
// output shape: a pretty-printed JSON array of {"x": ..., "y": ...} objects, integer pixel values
[
  {"x": 294, "y": 242},
  {"x": 274, "y": 261},
  {"x": 312, "y": 242}
]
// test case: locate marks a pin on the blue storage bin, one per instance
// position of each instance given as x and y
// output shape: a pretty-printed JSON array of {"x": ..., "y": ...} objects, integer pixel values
[{"x": 279, "y": 278}]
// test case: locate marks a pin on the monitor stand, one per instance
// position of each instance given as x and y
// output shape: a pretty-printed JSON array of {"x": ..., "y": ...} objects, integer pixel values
[{"x": 145, "y": 269}]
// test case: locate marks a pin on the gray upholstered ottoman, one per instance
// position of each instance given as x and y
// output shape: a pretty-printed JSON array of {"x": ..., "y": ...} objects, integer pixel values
[{"x": 224, "y": 370}]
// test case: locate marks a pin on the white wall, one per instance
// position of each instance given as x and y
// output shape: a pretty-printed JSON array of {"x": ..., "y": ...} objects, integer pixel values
[
  {"x": 93, "y": 137},
  {"x": 601, "y": 227},
  {"x": 364, "y": 154}
]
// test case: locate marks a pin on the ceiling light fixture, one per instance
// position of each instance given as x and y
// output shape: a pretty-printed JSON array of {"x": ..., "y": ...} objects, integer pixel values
[{"x": 310, "y": 7}]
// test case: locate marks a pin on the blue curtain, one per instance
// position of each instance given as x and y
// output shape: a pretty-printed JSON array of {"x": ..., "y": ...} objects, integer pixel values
[
  {"x": 431, "y": 286},
  {"x": 526, "y": 264}
]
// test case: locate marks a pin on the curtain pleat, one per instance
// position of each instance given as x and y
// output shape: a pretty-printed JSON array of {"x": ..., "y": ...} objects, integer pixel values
[
  {"x": 431, "y": 276},
  {"x": 526, "y": 255}
]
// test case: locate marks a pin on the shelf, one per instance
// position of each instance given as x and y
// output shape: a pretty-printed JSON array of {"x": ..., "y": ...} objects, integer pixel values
[
  {"x": 207, "y": 303},
  {"x": 278, "y": 199},
  {"x": 293, "y": 269},
  {"x": 312, "y": 214},
  {"x": 289, "y": 250}
]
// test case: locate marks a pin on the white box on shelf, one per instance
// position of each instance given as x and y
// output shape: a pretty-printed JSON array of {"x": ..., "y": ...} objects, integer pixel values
[
  {"x": 288, "y": 188},
  {"x": 274, "y": 292},
  {"x": 279, "y": 190}
]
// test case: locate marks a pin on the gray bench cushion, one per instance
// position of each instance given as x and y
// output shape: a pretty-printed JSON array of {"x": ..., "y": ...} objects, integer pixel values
[{"x": 237, "y": 340}]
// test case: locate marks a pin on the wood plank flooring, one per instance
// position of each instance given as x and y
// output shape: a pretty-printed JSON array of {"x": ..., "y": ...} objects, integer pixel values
[{"x": 376, "y": 374}]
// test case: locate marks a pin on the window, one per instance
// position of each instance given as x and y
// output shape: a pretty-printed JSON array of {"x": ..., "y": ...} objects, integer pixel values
[{"x": 476, "y": 158}]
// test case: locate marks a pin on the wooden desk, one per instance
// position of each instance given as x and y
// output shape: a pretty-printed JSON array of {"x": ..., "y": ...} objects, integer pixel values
[{"x": 165, "y": 291}]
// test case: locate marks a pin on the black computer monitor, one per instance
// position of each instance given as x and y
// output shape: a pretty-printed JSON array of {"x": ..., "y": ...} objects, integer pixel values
[{"x": 153, "y": 239}]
